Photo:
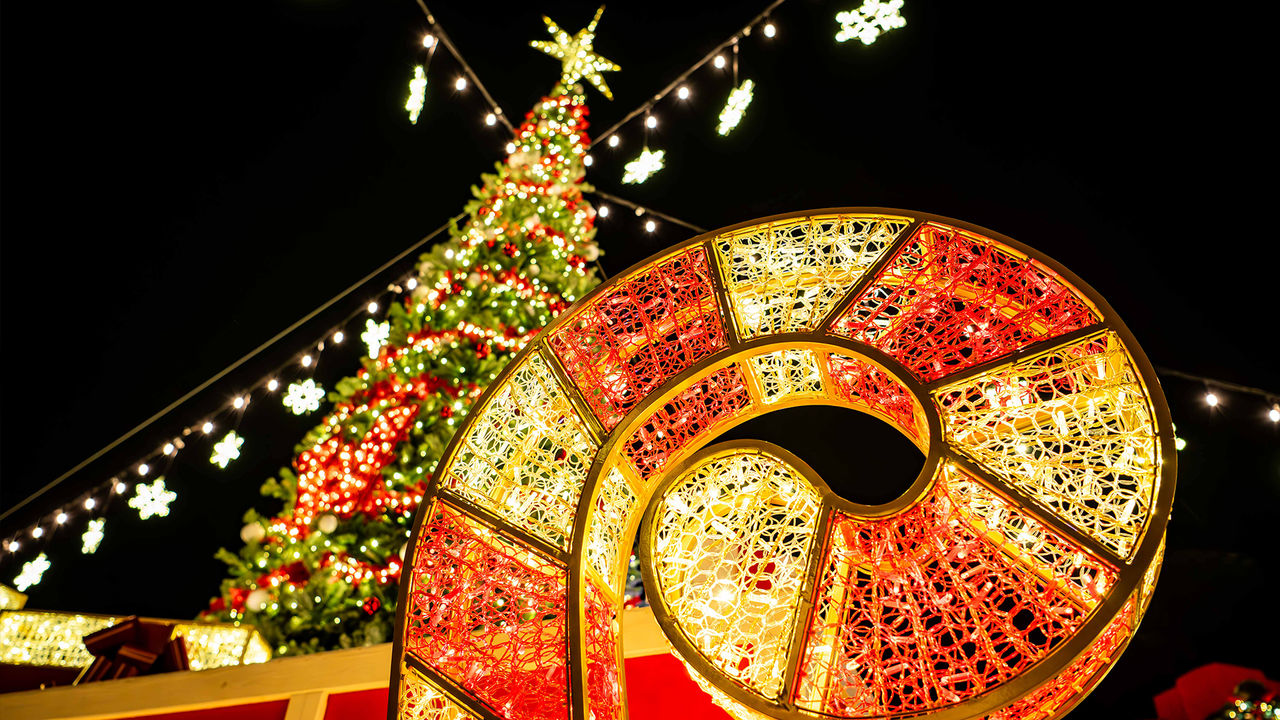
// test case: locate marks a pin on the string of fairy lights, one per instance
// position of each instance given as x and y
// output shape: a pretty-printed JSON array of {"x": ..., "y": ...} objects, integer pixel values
[{"x": 292, "y": 382}]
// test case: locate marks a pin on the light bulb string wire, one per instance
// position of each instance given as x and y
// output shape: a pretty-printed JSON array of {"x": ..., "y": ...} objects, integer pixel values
[
  {"x": 646, "y": 209},
  {"x": 1220, "y": 384},
  {"x": 443, "y": 37},
  {"x": 359, "y": 284},
  {"x": 647, "y": 106}
]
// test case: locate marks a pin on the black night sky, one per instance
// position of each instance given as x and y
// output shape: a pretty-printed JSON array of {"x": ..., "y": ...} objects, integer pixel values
[{"x": 182, "y": 181}]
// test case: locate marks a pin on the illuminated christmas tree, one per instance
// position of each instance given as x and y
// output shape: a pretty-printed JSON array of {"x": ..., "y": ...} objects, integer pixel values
[{"x": 324, "y": 572}]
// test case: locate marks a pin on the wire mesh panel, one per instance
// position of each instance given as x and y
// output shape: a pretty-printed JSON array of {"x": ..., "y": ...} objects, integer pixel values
[
  {"x": 526, "y": 456},
  {"x": 1003, "y": 583},
  {"x": 1072, "y": 427},
  {"x": 640, "y": 332},
  {"x": 731, "y": 544},
  {"x": 785, "y": 276},
  {"x": 952, "y": 299}
]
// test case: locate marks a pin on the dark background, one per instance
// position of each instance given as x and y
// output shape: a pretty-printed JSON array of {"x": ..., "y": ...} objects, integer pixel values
[{"x": 181, "y": 181}]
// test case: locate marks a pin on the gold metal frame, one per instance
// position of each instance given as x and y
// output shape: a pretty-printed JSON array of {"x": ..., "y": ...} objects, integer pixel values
[{"x": 1131, "y": 570}]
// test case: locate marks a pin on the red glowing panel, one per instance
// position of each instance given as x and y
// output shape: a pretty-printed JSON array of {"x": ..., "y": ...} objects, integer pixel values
[
  {"x": 338, "y": 476},
  {"x": 604, "y": 695},
  {"x": 1046, "y": 701},
  {"x": 861, "y": 383},
  {"x": 640, "y": 333},
  {"x": 920, "y": 611},
  {"x": 951, "y": 299},
  {"x": 489, "y": 615},
  {"x": 719, "y": 396}
]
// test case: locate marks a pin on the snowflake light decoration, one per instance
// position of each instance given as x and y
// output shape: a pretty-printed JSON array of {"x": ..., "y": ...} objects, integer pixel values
[
  {"x": 870, "y": 21},
  {"x": 375, "y": 335},
  {"x": 639, "y": 170},
  {"x": 304, "y": 397},
  {"x": 152, "y": 499},
  {"x": 733, "y": 110},
  {"x": 32, "y": 572},
  {"x": 417, "y": 94},
  {"x": 92, "y": 536},
  {"x": 226, "y": 450}
]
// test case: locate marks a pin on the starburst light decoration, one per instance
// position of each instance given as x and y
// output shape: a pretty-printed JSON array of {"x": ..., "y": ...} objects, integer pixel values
[
  {"x": 870, "y": 21},
  {"x": 92, "y": 536},
  {"x": 152, "y": 500},
  {"x": 303, "y": 397},
  {"x": 1002, "y": 584},
  {"x": 375, "y": 335},
  {"x": 417, "y": 94},
  {"x": 32, "y": 572},
  {"x": 639, "y": 170},
  {"x": 226, "y": 450},
  {"x": 737, "y": 104},
  {"x": 580, "y": 61}
]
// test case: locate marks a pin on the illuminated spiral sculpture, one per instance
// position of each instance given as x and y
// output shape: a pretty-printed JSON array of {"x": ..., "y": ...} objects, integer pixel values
[{"x": 1004, "y": 583}]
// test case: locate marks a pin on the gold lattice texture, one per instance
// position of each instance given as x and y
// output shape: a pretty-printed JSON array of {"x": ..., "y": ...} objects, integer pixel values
[{"x": 1003, "y": 583}]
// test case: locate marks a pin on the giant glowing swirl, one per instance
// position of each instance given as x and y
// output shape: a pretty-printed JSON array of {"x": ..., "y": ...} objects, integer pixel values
[{"x": 1004, "y": 583}]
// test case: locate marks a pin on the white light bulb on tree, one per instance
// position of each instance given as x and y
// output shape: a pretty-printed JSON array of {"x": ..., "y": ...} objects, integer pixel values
[
  {"x": 613, "y": 141},
  {"x": 770, "y": 30},
  {"x": 1211, "y": 399},
  {"x": 257, "y": 600},
  {"x": 491, "y": 119},
  {"x": 1274, "y": 414},
  {"x": 253, "y": 532},
  {"x": 683, "y": 92},
  {"x": 718, "y": 62},
  {"x": 603, "y": 211},
  {"x": 327, "y": 523},
  {"x": 460, "y": 84}
]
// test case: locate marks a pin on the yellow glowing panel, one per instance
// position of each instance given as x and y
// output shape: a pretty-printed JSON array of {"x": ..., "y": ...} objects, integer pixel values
[
  {"x": 786, "y": 276},
  {"x": 787, "y": 374},
  {"x": 1071, "y": 428},
  {"x": 526, "y": 455},
  {"x": 608, "y": 525},
  {"x": 420, "y": 700},
  {"x": 730, "y": 549}
]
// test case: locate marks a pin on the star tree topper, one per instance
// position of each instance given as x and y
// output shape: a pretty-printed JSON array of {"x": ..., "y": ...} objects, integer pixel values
[{"x": 580, "y": 61}]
